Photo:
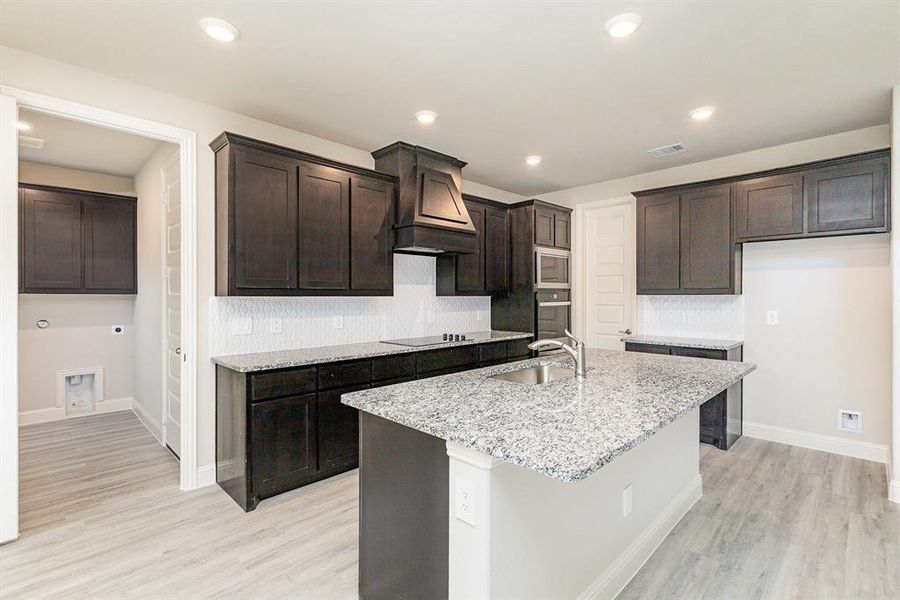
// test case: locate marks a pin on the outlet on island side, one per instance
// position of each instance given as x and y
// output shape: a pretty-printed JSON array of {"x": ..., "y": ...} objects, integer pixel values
[
  {"x": 464, "y": 505},
  {"x": 626, "y": 501}
]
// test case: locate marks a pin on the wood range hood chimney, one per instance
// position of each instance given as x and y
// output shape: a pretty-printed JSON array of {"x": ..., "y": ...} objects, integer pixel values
[{"x": 431, "y": 216}]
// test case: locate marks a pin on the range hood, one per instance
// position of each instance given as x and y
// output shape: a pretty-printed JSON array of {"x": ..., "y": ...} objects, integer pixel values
[{"x": 431, "y": 215}]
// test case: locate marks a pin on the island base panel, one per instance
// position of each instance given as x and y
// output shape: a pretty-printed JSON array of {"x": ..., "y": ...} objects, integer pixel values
[{"x": 404, "y": 482}]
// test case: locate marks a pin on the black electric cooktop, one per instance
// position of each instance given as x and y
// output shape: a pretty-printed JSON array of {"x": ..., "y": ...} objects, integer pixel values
[{"x": 432, "y": 340}]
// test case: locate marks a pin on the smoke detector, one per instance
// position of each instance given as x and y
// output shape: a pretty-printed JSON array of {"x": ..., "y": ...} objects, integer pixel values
[{"x": 667, "y": 150}]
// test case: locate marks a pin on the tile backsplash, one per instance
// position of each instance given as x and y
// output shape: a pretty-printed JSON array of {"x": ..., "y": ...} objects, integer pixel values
[
  {"x": 413, "y": 310},
  {"x": 691, "y": 316}
]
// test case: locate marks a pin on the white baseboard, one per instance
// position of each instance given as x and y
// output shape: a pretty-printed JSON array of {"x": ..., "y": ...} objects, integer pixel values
[
  {"x": 147, "y": 420},
  {"x": 894, "y": 490},
  {"x": 817, "y": 441},
  {"x": 45, "y": 415},
  {"x": 617, "y": 576},
  {"x": 206, "y": 475}
]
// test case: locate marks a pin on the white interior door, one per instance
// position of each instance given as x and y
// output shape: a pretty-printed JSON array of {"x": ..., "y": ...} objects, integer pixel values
[
  {"x": 608, "y": 274},
  {"x": 173, "y": 358}
]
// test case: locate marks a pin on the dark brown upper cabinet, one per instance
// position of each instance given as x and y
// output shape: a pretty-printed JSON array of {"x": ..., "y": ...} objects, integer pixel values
[
  {"x": 371, "y": 235},
  {"x": 707, "y": 248},
  {"x": 485, "y": 271},
  {"x": 552, "y": 227},
  {"x": 851, "y": 197},
  {"x": 690, "y": 237},
  {"x": 76, "y": 242},
  {"x": 290, "y": 223},
  {"x": 768, "y": 207},
  {"x": 324, "y": 230}
]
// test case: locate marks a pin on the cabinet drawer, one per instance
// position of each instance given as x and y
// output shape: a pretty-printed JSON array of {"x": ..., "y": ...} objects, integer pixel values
[
  {"x": 518, "y": 349},
  {"x": 440, "y": 360},
  {"x": 646, "y": 348},
  {"x": 492, "y": 353},
  {"x": 393, "y": 367},
  {"x": 275, "y": 384},
  {"x": 344, "y": 374},
  {"x": 700, "y": 353}
]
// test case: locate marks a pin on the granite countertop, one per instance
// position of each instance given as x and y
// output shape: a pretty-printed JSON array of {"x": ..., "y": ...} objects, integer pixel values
[
  {"x": 280, "y": 359},
  {"x": 566, "y": 429},
  {"x": 684, "y": 342}
]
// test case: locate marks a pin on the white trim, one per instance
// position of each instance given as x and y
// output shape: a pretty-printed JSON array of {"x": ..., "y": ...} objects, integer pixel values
[
  {"x": 46, "y": 415},
  {"x": 579, "y": 304},
  {"x": 206, "y": 475},
  {"x": 894, "y": 491},
  {"x": 187, "y": 141},
  {"x": 627, "y": 565},
  {"x": 9, "y": 320},
  {"x": 164, "y": 289},
  {"x": 817, "y": 441},
  {"x": 147, "y": 420}
]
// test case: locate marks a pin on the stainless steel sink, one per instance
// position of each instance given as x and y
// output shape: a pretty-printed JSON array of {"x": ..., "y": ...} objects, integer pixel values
[{"x": 536, "y": 375}]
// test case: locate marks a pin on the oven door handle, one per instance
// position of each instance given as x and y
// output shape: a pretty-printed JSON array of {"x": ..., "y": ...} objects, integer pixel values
[{"x": 554, "y": 304}]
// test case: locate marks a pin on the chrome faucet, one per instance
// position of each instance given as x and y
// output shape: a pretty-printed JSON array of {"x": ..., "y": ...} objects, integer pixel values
[{"x": 576, "y": 350}]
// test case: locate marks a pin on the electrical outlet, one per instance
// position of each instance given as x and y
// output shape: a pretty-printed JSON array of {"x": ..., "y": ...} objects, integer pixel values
[
  {"x": 275, "y": 325},
  {"x": 772, "y": 317},
  {"x": 626, "y": 501},
  {"x": 117, "y": 330},
  {"x": 242, "y": 327},
  {"x": 465, "y": 502},
  {"x": 850, "y": 420},
  {"x": 479, "y": 315},
  {"x": 337, "y": 322},
  {"x": 686, "y": 317}
]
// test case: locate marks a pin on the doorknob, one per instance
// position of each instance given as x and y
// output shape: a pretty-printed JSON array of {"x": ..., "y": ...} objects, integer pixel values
[
  {"x": 626, "y": 331},
  {"x": 178, "y": 350}
]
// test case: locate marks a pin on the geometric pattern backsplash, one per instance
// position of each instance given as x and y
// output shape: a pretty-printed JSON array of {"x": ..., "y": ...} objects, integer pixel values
[
  {"x": 691, "y": 316},
  {"x": 413, "y": 310}
]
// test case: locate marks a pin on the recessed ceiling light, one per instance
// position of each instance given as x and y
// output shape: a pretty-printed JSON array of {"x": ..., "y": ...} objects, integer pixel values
[
  {"x": 623, "y": 25},
  {"x": 533, "y": 160},
  {"x": 219, "y": 29},
  {"x": 426, "y": 117},
  {"x": 23, "y": 126},
  {"x": 702, "y": 113}
]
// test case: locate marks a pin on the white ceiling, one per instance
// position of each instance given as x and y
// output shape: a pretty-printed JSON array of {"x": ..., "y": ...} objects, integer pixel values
[
  {"x": 508, "y": 79},
  {"x": 76, "y": 145}
]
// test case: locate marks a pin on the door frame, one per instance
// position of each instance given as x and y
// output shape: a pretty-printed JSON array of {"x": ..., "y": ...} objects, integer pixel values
[
  {"x": 579, "y": 265},
  {"x": 166, "y": 164},
  {"x": 11, "y": 99}
]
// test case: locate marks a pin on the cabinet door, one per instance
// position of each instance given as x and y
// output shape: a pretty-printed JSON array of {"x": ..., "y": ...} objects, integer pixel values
[
  {"x": 371, "y": 235},
  {"x": 707, "y": 251},
  {"x": 544, "y": 226},
  {"x": 283, "y": 450},
  {"x": 768, "y": 206},
  {"x": 324, "y": 232},
  {"x": 470, "y": 266},
  {"x": 496, "y": 250},
  {"x": 110, "y": 252},
  {"x": 847, "y": 197},
  {"x": 658, "y": 243},
  {"x": 338, "y": 431},
  {"x": 562, "y": 227},
  {"x": 49, "y": 241},
  {"x": 264, "y": 221}
]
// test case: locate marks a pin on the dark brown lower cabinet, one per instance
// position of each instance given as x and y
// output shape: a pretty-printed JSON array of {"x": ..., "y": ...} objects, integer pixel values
[
  {"x": 281, "y": 429},
  {"x": 721, "y": 417}
]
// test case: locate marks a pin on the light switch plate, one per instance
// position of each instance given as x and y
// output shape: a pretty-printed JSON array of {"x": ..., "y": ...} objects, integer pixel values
[
  {"x": 242, "y": 326},
  {"x": 337, "y": 322},
  {"x": 772, "y": 317}
]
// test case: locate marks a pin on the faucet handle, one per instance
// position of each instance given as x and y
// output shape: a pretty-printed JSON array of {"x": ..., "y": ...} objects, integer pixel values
[{"x": 573, "y": 338}]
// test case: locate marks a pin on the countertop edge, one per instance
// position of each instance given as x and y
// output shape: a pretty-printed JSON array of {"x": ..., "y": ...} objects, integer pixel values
[{"x": 675, "y": 341}]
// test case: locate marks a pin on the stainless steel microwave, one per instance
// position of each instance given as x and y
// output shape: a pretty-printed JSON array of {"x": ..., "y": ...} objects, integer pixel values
[{"x": 552, "y": 268}]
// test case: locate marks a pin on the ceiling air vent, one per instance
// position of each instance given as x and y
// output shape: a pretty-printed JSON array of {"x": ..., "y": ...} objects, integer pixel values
[
  {"x": 31, "y": 142},
  {"x": 667, "y": 150}
]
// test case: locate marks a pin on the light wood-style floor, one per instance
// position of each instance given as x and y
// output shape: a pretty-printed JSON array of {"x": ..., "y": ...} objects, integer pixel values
[{"x": 102, "y": 517}]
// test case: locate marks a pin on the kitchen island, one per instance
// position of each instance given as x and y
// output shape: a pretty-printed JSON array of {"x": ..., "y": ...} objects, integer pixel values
[{"x": 475, "y": 487}]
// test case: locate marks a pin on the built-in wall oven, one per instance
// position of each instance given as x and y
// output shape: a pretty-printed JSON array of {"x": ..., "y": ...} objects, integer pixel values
[
  {"x": 554, "y": 313},
  {"x": 551, "y": 269}
]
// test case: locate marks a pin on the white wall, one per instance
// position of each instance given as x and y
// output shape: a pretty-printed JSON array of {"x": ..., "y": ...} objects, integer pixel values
[
  {"x": 79, "y": 333},
  {"x": 832, "y": 347},
  {"x": 148, "y": 304},
  {"x": 37, "y": 74},
  {"x": 74, "y": 178}
]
